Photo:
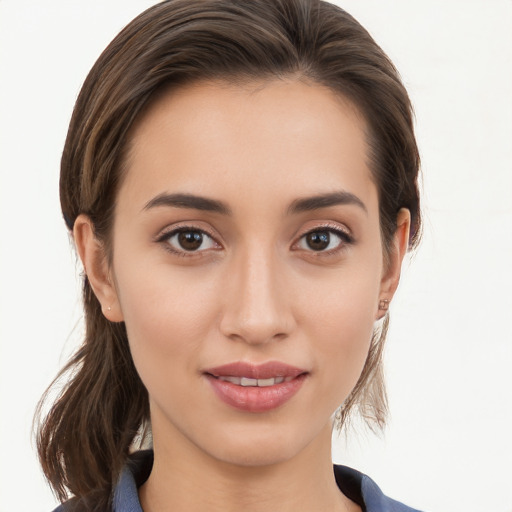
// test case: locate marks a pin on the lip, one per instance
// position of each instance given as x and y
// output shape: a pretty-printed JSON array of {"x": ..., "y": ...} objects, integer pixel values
[{"x": 255, "y": 398}]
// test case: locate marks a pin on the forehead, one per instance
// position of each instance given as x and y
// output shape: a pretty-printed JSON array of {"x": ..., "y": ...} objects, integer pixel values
[{"x": 277, "y": 138}]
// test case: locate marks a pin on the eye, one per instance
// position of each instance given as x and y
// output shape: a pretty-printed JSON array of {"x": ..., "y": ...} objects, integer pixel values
[
  {"x": 324, "y": 240},
  {"x": 188, "y": 240}
]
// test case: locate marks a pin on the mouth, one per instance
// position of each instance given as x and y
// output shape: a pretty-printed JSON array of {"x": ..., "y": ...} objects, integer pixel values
[
  {"x": 249, "y": 382},
  {"x": 255, "y": 388}
]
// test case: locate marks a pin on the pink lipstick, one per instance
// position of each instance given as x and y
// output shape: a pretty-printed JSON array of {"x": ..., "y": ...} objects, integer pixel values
[{"x": 255, "y": 387}]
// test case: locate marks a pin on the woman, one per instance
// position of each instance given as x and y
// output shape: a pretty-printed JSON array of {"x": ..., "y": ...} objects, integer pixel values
[{"x": 240, "y": 179}]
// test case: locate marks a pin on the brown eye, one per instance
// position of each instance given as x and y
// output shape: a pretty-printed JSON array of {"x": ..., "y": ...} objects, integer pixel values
[
  {"x": 184, "y": 240},
  {"x": 190, "y": 240},
  {"x": 327, "y": 240},
  {"x": 318, "y": 240}
]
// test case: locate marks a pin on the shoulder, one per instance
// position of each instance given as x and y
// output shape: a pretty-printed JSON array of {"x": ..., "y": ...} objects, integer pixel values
[
  {"x": 79, "y": 505},
  {"x": 68, "y": 506},
  {"x": 357, "y": 486},
  {"x": 71, "y": 505},
  {"x": 365, "y": 492},
  {"x": 124, "y": 496}
]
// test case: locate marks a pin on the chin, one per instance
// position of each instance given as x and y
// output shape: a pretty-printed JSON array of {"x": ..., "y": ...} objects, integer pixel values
[
  {"x": 261, "y": 447},
  {"x": 256, "y": 456}
]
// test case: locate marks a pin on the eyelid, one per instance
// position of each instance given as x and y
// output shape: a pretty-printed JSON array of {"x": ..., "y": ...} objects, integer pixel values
[
  {"x": 184, "y": 226},
  {"x": 174, "y": 229},
  {"x": 341, "y": 231},
  {"x": 328, "y": 226}
]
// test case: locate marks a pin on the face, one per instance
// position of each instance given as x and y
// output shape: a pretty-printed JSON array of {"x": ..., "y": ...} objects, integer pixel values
[{"x": 247, "y": 265}]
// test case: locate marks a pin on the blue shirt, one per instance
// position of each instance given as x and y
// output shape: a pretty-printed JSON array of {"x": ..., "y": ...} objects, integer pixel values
[{"x": 355, "y": 485}]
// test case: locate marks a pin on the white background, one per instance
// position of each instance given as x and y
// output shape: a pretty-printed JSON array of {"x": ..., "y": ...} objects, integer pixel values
[{"x": 449, "y": 358}]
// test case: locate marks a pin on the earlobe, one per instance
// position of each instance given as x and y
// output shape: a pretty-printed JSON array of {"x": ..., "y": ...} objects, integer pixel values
[
  {"x": 94, "y": 260},
  {"x": 392, "y": 270}
]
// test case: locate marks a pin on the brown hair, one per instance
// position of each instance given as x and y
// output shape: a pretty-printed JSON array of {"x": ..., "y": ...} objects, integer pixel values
[{"x": 85, "y": 438}]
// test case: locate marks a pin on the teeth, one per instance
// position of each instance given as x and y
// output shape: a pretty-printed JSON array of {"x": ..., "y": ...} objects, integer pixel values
[
  {"x": 266, "y": 382},
  {"x": 233, "y": 380},
  {"x": 246, "y": 381}
]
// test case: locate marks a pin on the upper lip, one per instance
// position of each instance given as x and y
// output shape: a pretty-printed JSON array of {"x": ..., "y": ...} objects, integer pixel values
[{"x": 256, "y": 371}]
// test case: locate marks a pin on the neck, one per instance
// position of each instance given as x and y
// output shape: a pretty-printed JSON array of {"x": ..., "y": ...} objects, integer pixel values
[{"x": 179, "y": 481}]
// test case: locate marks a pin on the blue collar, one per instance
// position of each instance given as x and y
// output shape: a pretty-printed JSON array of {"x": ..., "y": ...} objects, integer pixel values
[{"x": 355, "y": 485}]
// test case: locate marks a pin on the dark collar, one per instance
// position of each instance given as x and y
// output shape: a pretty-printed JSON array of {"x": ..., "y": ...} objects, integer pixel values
[{"x": 355, "y": 485}]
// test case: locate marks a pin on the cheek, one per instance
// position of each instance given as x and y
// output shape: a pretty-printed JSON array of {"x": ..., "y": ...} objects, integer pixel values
[
  {"x": 343, "y": 358},
  {"x": 167, "y": 314},
  {"x": 346, "y": 323},
  {"x": 340, "y": 318}
]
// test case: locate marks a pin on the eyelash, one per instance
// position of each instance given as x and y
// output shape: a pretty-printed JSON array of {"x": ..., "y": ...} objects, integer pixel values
[
  {"x": 165, "y": 237},
  {"x": 344, "y": 237}
]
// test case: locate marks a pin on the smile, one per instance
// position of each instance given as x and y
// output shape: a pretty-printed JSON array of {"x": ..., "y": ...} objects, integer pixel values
[
  {"x": 256, "y": 388},
  {"x": 261, "y": 383}
]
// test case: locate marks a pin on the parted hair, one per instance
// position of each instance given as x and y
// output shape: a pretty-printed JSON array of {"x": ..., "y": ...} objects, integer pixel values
[{"x": 88, "y": 432}]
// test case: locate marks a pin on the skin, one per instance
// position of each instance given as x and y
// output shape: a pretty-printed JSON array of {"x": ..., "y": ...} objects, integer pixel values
[{"x": 254, "y": 291}]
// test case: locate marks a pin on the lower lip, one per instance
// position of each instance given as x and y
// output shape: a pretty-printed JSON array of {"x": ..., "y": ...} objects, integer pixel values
[{"x": 254, "y": 398}]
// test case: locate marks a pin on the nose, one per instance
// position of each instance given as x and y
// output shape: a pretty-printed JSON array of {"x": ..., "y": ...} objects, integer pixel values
[{"x": 257, "y": 306}]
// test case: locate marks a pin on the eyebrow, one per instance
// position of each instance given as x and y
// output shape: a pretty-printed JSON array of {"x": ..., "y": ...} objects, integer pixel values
[
  {"x": 320, "y": 201},
  {"x": 182, "y": 200},
  {"x": 188, "y": 201}
]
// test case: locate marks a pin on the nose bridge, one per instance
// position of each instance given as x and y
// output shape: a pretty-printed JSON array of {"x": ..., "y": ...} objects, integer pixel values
[{"x": 257, "y": 308}]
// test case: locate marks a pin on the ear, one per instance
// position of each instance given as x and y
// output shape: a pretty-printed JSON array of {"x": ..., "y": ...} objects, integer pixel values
[
  {"x": 393, "y": 266},
  {"x": 95, "y": 263}
]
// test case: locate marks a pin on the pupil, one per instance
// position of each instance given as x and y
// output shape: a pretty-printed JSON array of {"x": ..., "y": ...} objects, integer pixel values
[
  {"x": 190, "y": 240},
  {"x": 318, "y": 240}
]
